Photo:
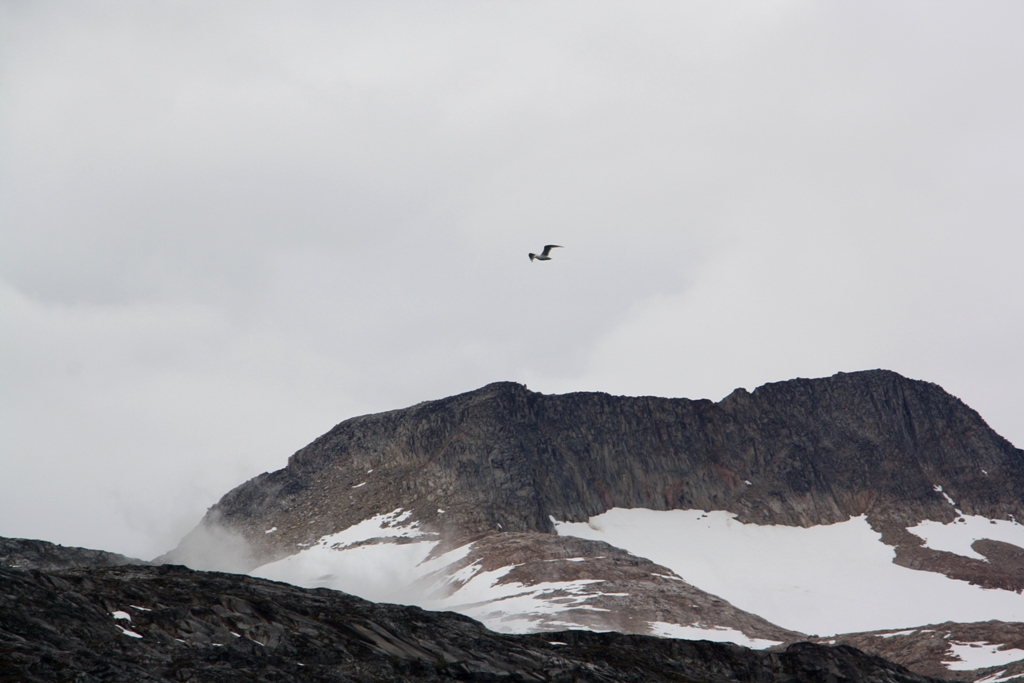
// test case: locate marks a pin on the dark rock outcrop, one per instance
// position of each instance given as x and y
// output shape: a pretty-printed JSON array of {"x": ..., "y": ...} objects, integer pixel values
[
  {"x": 168, "y": 623},
  {"x": 801, "y": 452},
  {"x": 25, "y": 553}
]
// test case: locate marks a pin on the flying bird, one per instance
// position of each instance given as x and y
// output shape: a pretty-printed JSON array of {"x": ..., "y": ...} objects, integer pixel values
[{"x": 546, "y": 254}]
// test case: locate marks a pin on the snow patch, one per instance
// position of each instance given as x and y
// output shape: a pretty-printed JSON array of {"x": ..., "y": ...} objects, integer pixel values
[
  {"x": 121, "y": 615},
  {"x": 382, "y": 572},
  {"x": 831, "y": 579},
  {"x": 408, "y": 573},
  {"x": 514, "y": 607},
  {"x": 946, "y": 496},
  {"x": 998, "y": 677},
  {"x": 897, "y": 633},
  {"x": 270, "y": 530},
  {"x": 130, "y": 634},
  {"x": 957, "y": 536},
  {"x": 979, "y": 655},
  {"x": 358, "y": 485},
  {"x": 718, "y": 634},
  {"x": 388, "y": 525}
]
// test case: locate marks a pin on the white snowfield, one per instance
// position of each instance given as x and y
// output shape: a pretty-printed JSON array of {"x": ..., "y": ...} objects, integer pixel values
[
  {"x": 981, "y": 655},
  {"x": 822, "y": 580},
  {"x": 365, "y": 561},
  {"x": 957, "y": 536}
]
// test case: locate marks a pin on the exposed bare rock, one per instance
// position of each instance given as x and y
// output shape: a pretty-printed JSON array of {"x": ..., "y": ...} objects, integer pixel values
[
  {"x": 932, "y": 649},
  {"x": 168, "y": 623},
  {"x": 24, "y": 553},
  {"x": 622, "y": 592},
  {"x": 503, "y": 458}
]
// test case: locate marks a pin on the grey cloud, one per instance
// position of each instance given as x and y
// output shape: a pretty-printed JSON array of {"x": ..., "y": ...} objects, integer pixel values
[{"x": 239, "y": 223}]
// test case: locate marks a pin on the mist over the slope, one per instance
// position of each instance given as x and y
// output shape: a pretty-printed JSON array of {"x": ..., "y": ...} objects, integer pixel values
[
  {"x": 212, "y": 546},
  {"x": 227, "y": 227}
]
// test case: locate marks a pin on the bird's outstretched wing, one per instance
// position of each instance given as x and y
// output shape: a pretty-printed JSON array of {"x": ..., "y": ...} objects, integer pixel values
[{"x": 549, "y": 247}]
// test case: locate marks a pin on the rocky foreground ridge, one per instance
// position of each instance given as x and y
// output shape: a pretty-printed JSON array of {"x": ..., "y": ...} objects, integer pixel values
[
  {"x": 167, "y": 623},
  {"x": 24, "y": 553}
]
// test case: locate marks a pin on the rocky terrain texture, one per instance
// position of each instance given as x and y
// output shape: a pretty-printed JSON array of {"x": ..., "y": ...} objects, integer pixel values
[
  {"x": 505, "y": 459},
  {"x": 24, "y": 553},
  {"x": 168, "y": 623},
  {"x": 926, "y": 649},
  {"x": 628, "y": 593}
]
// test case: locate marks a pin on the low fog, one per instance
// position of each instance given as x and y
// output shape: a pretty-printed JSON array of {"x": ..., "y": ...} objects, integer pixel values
[
  {"x": 226, "y": 227},
  {"x": 213, "y": 546}
]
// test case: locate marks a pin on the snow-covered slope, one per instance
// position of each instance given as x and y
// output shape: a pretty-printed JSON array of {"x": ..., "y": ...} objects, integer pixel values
[
  {"x": 828, "y": 579},
  {"x": 517, "y": 583}
]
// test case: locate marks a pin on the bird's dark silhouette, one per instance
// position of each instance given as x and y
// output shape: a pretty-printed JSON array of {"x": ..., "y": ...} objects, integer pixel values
[{"x": 546, "y": 254}]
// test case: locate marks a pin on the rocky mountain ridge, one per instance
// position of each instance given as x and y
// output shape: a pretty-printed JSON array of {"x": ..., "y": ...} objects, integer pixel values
[
  {"x": 502, "y": 458},
  {"x": 24, "y": 553}
]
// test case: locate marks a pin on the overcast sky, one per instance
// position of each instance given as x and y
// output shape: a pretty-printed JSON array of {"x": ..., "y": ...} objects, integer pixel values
[{"x": 225, "y": 227}]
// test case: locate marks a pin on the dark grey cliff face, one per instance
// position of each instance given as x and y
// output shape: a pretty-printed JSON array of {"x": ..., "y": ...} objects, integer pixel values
[{"x": 801, "y": 452}]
